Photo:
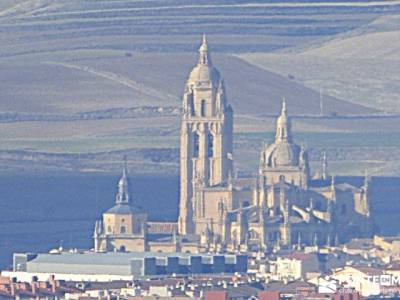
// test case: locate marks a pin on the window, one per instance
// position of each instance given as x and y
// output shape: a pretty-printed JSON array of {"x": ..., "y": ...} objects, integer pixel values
[
  {"x": 123, "y": 229},
  {"x": 196, "y": 145},
  {"x": 203, "y": 108},
  {"x": 122, "y": 249},
  {"x": 109, "y": 230},
  {"x": 191, "y": 105},
  {"x": 254, "y": 235},
  {"x": 210, "y": 145}
]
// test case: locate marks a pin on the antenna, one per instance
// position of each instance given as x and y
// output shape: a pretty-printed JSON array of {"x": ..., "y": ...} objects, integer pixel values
[{"x": 321, "y": 102}]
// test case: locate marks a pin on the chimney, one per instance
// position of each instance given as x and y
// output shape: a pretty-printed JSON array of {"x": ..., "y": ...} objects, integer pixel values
[
  {"x": 53, "y": 284},
  {"x": 13, "y": 286},
  {"x": 34, "y": 285}
]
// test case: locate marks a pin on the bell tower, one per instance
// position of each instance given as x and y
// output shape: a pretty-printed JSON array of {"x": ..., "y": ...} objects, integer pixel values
[{"x": 205, "y": 138}]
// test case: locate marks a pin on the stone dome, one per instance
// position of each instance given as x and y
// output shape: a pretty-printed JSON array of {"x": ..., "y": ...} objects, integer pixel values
[
  {"x": 203, "y": 74},
  {"x": 282, "y": 154}
]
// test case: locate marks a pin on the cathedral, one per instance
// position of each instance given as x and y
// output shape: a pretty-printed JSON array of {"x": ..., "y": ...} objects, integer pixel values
[{"x": 283, "y": 207}]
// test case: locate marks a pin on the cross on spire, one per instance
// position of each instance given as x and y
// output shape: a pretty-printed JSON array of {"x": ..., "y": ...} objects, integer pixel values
[
  {"x": 123, "y": 186},
  {"x": 283, "y": 128},
  {"x": 204, "y": 56}
]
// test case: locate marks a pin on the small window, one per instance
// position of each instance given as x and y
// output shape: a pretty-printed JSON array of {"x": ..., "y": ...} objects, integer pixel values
[
  {"x": 191, "y": 105},
  {"x": 123, "y": 229},
  {"x": 210, "y": 145},
  {"x": 203, "y": 108},
  {"x": 109, "y": 229},
  {"x": 122, "y": 249},
  {"x": 196, "y": 145}
]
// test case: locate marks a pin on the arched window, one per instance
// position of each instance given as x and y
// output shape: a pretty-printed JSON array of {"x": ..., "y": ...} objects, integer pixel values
[
  {"x": 122, "y": 249},
  {"x": 109, "y": 230},
  {"x": 191, "y": 105},
  {"x": 137, "y": 227},
  {"x": 254, "y": 235},
  {"x": 210, "y": 151},
  {"x": 123, "y": 229},
  {"x": 203, "y": 108},
  {"x": 196, "y": 145}
]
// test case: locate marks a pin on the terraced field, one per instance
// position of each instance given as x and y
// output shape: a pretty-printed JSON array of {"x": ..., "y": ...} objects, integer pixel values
[{"x": 72, "y": 72}]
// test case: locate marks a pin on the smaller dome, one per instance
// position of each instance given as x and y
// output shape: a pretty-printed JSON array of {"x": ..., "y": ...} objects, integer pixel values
[
  {"x": 282, "y": 155},
  {"x": 124, "y": 209}
]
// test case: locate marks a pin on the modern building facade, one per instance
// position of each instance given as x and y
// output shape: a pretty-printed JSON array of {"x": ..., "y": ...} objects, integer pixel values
[{"x": 92, "y": 266}]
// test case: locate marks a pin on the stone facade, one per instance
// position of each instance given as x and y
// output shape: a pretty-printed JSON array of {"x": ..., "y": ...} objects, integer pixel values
[
  {"x": 282, "y": 207},
  {"x": 205, "y": 144},
  {"x": 124, "y": 226}
]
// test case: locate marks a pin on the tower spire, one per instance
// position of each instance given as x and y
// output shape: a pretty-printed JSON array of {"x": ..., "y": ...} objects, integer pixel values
[
  {"x": 324, "y": 167},
  {"x": 366, "y": 192},
  {"x": 284, "y": 109},
  {"x": 204, "y": 57},
  {"x": 283, "y": 126},
  {"x": 123, "y": 186},
  {"x": 204, "y": 39},
  {"x": 333, "y": 188},
  {"x": 366, "y": 179}
]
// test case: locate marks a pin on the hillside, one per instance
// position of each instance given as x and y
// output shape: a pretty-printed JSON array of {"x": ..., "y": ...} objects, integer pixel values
[
  {"x": 84, "y": 55},
  {"x": 361, "y": 65},
  {"x": 86, "y": 83},
  {"x": 377, "y": 40},
  {"x": 93, "y": 79}
]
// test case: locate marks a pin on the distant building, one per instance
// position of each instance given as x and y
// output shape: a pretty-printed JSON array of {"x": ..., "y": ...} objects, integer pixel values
[
  {"x": 296, "y": 266},
  {"x": 124, "y": 226},
  {"x": 112, "y": 266},
  {"x": 362, "y": 279}
]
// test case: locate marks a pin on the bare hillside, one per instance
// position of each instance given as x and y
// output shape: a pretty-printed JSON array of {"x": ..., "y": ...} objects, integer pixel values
[
  {"x": 87, "y": 84},
  {"x": 361, "y": 65}
]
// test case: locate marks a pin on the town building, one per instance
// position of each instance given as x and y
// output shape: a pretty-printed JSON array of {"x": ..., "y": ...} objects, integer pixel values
[
  {"x": 113, "y": 266},
  {"x": 296, "y": 266},
  {"x": 360, "y": 278}
]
